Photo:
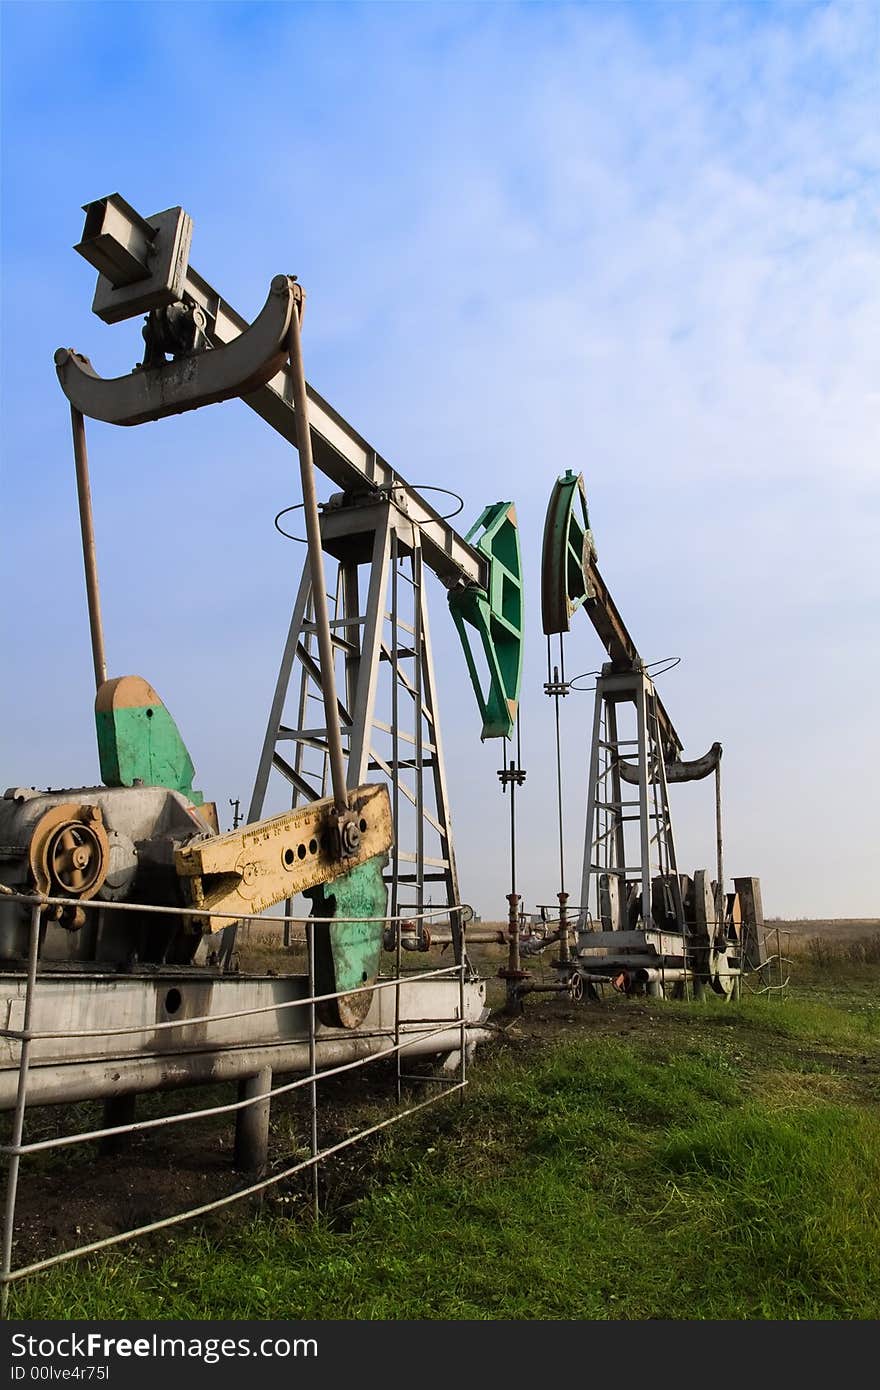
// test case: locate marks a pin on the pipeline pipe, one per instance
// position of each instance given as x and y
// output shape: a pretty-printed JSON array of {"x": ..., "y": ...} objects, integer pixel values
[
  {"x": 62, "y": 1083},
  {"x": 719, "y": 846},
  {"x": 532, "y": 987},
  {"x": 564, "y": 945},
  {"x": 651, "y": 974},
  {"x": 513, "y": 973},
  {"x": 411, "y": 941}
]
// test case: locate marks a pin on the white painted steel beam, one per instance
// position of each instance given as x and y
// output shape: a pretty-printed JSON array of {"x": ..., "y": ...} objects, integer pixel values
[{"x": 340, "y": 452}]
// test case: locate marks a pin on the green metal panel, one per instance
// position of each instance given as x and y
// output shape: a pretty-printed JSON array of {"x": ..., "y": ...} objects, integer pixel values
[
  {"x": 568, "y": 548},
  {"x": 348, "y": 951},
  {"x": 138, "y": 741},
  {"x": 497, "y": 617}
]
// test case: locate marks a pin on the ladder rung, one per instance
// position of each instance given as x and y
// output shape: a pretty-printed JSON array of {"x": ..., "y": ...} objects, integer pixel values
[
  {"x": 426, "y": 878},
  {"x": 407, "y": 738},
  {"x": 343, "y": 643},
  {"x": 409, "y": 763},
  {"x": 407, "y": 858},
  {"x": 400, "y": 623},
  {"x": 284, "y": 732}
]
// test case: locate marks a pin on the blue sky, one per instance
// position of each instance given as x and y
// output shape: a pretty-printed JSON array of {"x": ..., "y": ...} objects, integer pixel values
[{"x": 636, "y": 240}]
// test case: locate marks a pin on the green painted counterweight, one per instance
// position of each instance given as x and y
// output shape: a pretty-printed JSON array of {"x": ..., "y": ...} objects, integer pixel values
[
  {"x": 348, "y": 951},
  {"x": 497, "y": 617},
  {"x": 138, "y": 741},
  {"x": 567, "y": 552}
]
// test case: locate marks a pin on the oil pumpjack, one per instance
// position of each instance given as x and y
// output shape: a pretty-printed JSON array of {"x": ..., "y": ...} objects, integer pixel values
[
  {"x": 133, "y": 858},
  {"x": 640, "y": 923}
]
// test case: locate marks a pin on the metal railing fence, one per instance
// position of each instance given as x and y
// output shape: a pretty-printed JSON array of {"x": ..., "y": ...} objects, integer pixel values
[{"x": 26, "y": 1036}]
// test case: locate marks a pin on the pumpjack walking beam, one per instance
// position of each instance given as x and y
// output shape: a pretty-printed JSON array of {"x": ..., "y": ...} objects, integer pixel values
[
  {"x": 143, "y": 266},
  {"x": 139, "y": 274}
]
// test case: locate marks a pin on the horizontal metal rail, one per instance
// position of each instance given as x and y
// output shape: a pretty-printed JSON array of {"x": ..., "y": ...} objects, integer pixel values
[
  {"x": 136, "y": 1126},
  {"x": 226, "y": 1201},
  {"x": 31, "y": 1036},
  {"x": 41, "y": 900}
]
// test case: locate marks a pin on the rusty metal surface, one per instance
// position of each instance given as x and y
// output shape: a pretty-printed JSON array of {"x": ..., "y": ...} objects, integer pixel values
[
  {"x": 252, "y": 868},
  {"x": 69, "y": 855},
  {"x": 679, "y": 769},
  {"x": 190, "y": 380},
  {"x": 143, "y": 827}
]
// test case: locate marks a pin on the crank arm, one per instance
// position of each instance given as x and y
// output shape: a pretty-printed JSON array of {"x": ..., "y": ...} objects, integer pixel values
[{"x": 250, "y": 869}]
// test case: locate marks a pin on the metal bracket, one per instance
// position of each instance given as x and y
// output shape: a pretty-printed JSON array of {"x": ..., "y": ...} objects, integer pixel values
[
  {"x": 141, "y": 262},
  {"x": 191, "y": 379},
  {"x": 497, "y": 615}
]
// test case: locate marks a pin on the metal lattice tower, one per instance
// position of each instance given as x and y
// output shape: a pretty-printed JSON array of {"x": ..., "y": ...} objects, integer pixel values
[
  {"x": 629, "y": 847},
  {"x": 387, "y": 700}
]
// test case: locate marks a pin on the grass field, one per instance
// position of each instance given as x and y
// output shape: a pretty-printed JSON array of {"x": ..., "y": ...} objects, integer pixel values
[{"x": 628, "y": 1159}]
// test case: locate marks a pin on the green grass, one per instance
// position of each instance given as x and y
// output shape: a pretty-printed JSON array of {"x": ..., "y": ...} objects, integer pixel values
[{"x": 720, "y": 1162}]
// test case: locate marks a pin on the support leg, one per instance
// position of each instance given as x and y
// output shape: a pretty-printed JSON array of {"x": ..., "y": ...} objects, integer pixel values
[
  {"x": 118, "y": 1110},
  {"x": 252, "y": 1124}
]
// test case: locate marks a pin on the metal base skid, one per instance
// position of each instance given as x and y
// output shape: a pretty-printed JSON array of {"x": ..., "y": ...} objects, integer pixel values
[{"x": 202, "y": 1047}]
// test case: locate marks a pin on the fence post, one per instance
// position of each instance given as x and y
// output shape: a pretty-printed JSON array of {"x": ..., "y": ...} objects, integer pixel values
[
  {"x": 252, "y": 1124},
  {"x": 118, "y": 1110},
  {"x": 20, "y": 1101}
]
